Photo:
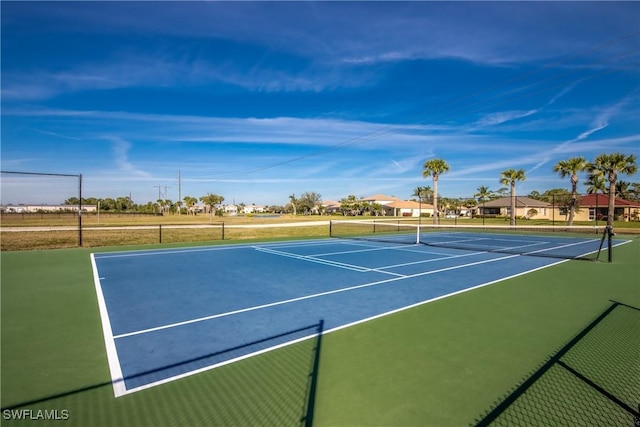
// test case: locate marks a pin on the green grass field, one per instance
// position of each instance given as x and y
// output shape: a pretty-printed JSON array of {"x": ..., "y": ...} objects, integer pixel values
[{"x": 440, "y": 364}]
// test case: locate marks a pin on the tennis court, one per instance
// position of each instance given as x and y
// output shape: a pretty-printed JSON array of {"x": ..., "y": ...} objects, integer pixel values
[{"x": 171, "y": 313}]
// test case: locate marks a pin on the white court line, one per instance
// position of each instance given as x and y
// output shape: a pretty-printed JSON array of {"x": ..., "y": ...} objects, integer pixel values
[
  {"x": 354, "y": 251},
  {"x": 433, "y": 259},
  {"x": 150, "y": 252},
  {"x": 377, "y": 316},
  {"x": 385, "y": 267},
  {"x": 396, "y": 247},
  {"x": 126, "y": 254},
  {"x": 117, "y": 378},
  {"x": 565, "y": 246},
  {"x": 217, "y": 365},
  {"x": 312, "y": 259},
  {"x": 306, "y": 297}
]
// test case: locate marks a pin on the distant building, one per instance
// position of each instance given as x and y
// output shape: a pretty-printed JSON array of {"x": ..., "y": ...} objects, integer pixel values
[
  {"x": 46, "y": 208},
  {"x": 394, "y": 206},
  {"x": 329, "y": 207},
  {"x": 230, "y": 209},
  {"x": 525, "y": 206},
  {"x": 593, "y": 207},
  {"x": 253, "y": 209}
]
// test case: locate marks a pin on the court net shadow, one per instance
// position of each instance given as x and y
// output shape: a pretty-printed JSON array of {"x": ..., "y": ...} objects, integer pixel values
[
  {"x": 593, "y": 380},
  {"x": 276, "y": 388}
]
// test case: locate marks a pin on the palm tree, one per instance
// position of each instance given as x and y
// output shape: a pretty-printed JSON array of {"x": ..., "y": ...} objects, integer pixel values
[
  {"x": 161, "y": 206},
  {"x": 623, "y": 190},
  {"x": 609, "y": 166},
  {"x": 509, "y": 177},
  {"x": 595, "y": 183},
  {"x": 635, "y": 191},
  {"x": 211, "y": 200},
  {"x": 482, "y": 195},
  {"x": 434, "y": 168},
  {"x": 500, "y": 192},
  {"x": 571, "y": 167},
  {"x": 293, "y": 203},
  {"x": 422, "y": 193},
  {"x": 190, "y": 202}
]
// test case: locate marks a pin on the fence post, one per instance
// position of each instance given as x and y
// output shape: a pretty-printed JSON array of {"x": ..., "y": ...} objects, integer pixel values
[
  {"x": 160, "y": 233},
  {"x": 609, "y": 243}
]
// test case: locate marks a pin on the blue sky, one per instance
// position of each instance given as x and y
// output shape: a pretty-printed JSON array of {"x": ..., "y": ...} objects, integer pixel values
[{"x": 255, "y": 101}]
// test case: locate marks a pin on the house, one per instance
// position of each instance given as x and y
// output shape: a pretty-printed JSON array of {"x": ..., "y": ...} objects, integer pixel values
[
  {"x": 526, "y": 207},
  {"x": 253, "y": 209},
  {"x": 230, "y": 209},
  {"x": 407, "y": 208},
  {"x": 47, "y": 208},
  {"x": 381, "y": 199},
  {"x": 393, "y": 206},
  {"x": 592, "y": 207},
  {"x": 330, "y": 207}
]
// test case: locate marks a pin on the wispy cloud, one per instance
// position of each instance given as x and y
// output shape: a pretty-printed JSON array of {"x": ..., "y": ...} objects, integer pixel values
[
  {"x": 323, "y": 132},
  {"x": 120, "y": 71},
  {"x": 325, "y": 45},
  {"x": 500, "y": 117},
  {"x": 122, "y": 163},
  {"x": 57, "y": 135},
  {"x": 600, "y": 122},
  {"x": 493, "y": 119}
]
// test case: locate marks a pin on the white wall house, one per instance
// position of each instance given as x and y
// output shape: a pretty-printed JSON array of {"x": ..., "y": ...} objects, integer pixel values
[
  {"x": 230, "y": 209},
  {"x": 46, "y": 208},
  {"x": 253, "y": 209},
  {"x": 393, "y": 206}
]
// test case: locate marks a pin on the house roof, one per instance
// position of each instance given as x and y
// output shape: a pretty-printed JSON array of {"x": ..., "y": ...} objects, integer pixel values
[
  {"x": 602, "y": 200},
  {"x": 521, "y": 202},
  {"x": 331, "y": 203},
  {"x": 380, "y": 197}
]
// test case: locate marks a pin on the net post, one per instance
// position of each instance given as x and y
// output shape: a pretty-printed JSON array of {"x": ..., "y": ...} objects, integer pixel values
[
  {"x": 222, "y": 230},
  {"x": 330, "y": 228}
]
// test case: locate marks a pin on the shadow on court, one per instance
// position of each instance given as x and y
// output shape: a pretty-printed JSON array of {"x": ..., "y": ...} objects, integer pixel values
[
  {"x": 592, "y": 380},
  {"x": 277, "y": 388}
]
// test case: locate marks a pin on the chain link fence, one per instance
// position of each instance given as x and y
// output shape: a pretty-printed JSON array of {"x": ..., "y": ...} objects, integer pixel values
[{"x": 593, "y": 381}]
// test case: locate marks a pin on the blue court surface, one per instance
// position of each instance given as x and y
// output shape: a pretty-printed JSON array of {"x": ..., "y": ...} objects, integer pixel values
[{"x": 171, "y": 313}]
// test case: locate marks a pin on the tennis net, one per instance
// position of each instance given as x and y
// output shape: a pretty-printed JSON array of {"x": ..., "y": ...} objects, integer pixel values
[{"x": 565, "y": 242}]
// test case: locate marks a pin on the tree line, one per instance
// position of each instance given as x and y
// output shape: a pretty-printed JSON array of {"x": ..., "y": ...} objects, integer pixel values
[
  {"x": 602, "y": 177},
  {"x": 210, "y": 204},
  {"x": 603, "y": 174}
]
